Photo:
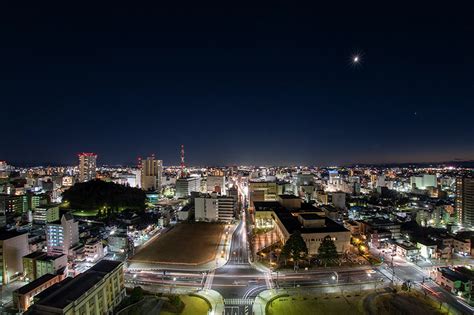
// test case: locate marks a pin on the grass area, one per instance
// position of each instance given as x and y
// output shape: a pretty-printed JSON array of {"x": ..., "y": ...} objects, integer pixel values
[
  {"x": 406, "y": 303},
  {"x": 369, "y": 302},
  {"x": 186, "y": 243},
  {"x": 193, "y": 305},
  {"x": 85, "y": 213},
  {"x": 332, "y": 304}
]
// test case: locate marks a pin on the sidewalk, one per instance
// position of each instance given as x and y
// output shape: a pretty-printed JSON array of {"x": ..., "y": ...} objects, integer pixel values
[{"x": 216, "y": 300}]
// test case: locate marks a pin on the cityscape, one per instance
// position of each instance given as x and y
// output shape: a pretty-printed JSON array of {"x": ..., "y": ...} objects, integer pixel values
[{"x": 223, "y": 159}]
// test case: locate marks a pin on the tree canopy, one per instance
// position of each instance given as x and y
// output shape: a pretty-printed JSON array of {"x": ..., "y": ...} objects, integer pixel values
[
  {"x": 97, "y": 195},
  {"x": 327, "y": 251},
  {"x": 295, "y": 247}
]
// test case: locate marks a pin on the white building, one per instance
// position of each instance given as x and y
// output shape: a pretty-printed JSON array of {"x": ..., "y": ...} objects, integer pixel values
[
  {"x": 216, "y": 184},
  {"x": 213, "y": 208},
  {"x": 94, "y": 250},
  {"x": 61, "y": 236},
  {"x": 423, "y": 182},
  {"x": 184, "y": 186}
]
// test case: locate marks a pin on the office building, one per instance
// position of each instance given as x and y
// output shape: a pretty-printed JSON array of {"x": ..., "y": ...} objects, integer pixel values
[
  {"x": 62, "y": 236},
  {"x": 465, "y": 201},
  {"x": 151, "y": 172},
  {"x": 46, "y": 214},
  {"x": 87, "y": 166},
  {"x": 97, "y": 291},
  {"x": 13, "y": 246},
  {"x": 94, "y": 250},
  {"x": 37, "y": 264},
  {"x": 216, "y": 183},
  {"x": 185, "y": 186},
  {"x": 213, "y": 208}
]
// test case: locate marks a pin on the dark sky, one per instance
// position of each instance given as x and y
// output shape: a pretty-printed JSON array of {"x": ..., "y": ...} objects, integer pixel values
[{"x": 264, "y": 85}]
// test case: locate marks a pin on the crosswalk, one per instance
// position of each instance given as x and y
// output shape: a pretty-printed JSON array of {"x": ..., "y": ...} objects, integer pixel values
[
  {"x": 238, "y": 301},
  {"x": 209, "y": 280}
]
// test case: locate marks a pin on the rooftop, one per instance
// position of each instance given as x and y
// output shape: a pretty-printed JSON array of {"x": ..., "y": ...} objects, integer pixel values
[
  {"x": 34, "y": 284},
  {"x": 69, "y": 290},
  {"x": 289, "y": 197},
  {"x": 311, "y": 216},
  {"x": 5, "y": 235}
]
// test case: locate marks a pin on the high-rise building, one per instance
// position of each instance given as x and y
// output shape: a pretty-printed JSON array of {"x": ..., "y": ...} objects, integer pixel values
[
  {"x": 63, "y": 235},
  {"x": 151, "y": 172},
  {"x": 87, "y": 166},
  {"x": 465, "y": 201}
]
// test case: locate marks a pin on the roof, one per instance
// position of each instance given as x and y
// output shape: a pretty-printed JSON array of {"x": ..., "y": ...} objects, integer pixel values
[
  {"x": 292, "y": 224},
  {"x": 311, "y": 216},
  {"x": 453, "y": 275},
  {"x": 34, "y": 284},
  {"x": 35, "y": 255},
  {"x": 5, "y": 235},
  {"x": 286, "y": 196},
  {"x": 69, "y": 290}
]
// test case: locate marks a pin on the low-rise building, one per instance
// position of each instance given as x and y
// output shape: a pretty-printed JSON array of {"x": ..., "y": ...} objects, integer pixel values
[
  {"x": 94, "y": 250},
  {"x": 97, "y": 291},
  {"x": 23, "y": 296},
  {"x": 46, "y": 214},
  {"x": 407, "y": 250}
]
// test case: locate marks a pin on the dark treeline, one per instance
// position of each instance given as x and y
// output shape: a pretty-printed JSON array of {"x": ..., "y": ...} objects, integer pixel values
[{"x": 99, "y": 195}]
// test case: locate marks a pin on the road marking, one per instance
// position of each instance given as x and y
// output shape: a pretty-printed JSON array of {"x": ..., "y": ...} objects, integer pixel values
[{"x": 238, "y": 301}]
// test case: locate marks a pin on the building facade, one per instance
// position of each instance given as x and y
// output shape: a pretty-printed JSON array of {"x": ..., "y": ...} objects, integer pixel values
[
  {"x": 87, "y": 166},
  {"x": 151, "y": 173}
]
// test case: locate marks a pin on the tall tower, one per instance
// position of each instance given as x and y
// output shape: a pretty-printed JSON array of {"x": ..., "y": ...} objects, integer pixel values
[
  {"x": 465, "y": 201},
  {"x": 182, "y": 172},
  {"x": 151, "y": 172},
  {"x": 87, "y": 166}
]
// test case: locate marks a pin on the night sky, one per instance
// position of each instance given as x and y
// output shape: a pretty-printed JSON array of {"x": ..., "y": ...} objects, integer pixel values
[{"x": 260, "y": 85}]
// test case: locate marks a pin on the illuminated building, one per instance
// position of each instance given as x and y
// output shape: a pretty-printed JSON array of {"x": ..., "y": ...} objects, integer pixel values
[
  {"x": 185, "y": 186},
  {"x": 216, "y": 183},
  {"x": 214, "y": 208},
  {"x": 13, "y": 246},
  {"x": 62, "y": 236},
  {"x": 87, "y": 166},
  {"x": 465, "y": 201},
  {"x": 97, "y": 291},
  {"x": 46, "y": 214},
  {"x": 151, "y": 172}
]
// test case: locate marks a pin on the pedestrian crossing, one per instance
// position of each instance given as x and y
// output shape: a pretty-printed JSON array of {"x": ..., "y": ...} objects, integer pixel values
[{"x": 238, "y": 301}]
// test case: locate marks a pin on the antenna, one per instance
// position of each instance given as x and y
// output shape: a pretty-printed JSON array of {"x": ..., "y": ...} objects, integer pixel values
[{"x": 182, "y": 161}]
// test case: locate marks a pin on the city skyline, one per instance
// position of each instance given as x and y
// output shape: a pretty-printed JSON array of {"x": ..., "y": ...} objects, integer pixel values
[{"x": 237, "y": 85}]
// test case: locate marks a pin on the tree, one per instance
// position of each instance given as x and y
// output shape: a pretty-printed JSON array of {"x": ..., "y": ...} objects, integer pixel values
[
  {"x": 136, "y": 294},
  {"x": 295, "y": 247},
  {"x": 327, "y": 251}
]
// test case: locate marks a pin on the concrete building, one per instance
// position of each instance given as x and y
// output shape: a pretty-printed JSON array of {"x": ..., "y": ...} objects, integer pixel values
[
  {"x": 62, "y": 236},
  {"x": 46, "y": 214},
  {"x": 97, "y": 291},
  {"x": 313, "y": 227},
  {"x": 87, "y": 166},
  {"x": 94, "y": 250},
  {"x": 13, "y": 246},
  {"x": 262, "y": 191},
  {"x": 216, "y": 183},
  {"x": 23, "y": 297},
  {"x": 185, "y": 186},
  {"x": 151, "y": 174},
  {"x": 40, "y": 263},
  {"x": 339, "y": 200},
  {"x": 465, "y": 201},
  {"x": 213, "y": 208}
]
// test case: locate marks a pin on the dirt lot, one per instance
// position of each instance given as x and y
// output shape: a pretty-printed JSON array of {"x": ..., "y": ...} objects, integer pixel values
[{"x": 186, "y": 243}]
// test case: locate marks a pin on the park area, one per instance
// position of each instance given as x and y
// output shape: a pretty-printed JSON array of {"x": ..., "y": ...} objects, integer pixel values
[
  {"x": 370, "y": 303},
  {"x": 184, "y": 244}
]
